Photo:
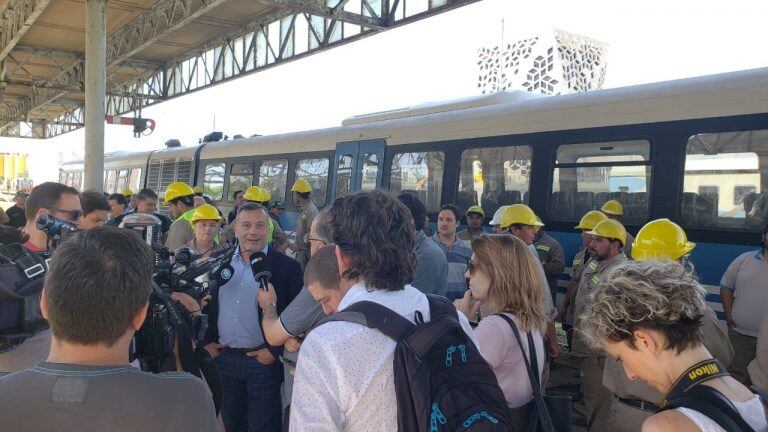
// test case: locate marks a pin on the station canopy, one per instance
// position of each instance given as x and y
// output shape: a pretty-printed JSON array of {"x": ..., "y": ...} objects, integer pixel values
[{"x": 157, "y": 50}]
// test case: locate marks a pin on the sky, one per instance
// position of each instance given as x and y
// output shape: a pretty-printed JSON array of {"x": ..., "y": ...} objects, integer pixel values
[{"x": 436, "y": 59}]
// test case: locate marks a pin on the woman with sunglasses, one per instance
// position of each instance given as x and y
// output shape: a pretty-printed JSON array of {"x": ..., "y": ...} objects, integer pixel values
[
  {"x": 502, "y": 274},
  {"x": 648, "y": 316}
]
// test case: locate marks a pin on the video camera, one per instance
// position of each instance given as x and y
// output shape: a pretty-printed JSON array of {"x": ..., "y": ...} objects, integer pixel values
[{"x": 166, "y": 322}]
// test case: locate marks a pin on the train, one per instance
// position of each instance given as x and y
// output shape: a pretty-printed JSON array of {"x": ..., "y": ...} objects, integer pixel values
[{"x": 693, "y": 150}]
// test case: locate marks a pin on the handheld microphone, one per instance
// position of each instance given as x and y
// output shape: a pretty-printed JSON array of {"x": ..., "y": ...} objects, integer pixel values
[{"x": 261, "y": 270}]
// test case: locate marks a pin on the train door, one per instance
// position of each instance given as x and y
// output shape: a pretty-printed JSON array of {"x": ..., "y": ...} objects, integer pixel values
[{"x": 359, "y": 166}]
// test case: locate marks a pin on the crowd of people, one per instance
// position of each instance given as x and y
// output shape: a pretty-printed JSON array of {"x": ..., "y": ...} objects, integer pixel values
[{"x": 634, "y": 313}]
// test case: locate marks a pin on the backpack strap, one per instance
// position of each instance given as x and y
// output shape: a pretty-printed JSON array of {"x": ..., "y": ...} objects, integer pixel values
[
  {"x": 713, "y": 404},
  {"x": 541, "y": 407},
  {"x": 439, "y": 306},
  {"x": 375, "y": 316}
]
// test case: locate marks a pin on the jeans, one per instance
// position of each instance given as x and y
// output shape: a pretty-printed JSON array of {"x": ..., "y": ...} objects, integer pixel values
[{"x": 251, "y": 400}]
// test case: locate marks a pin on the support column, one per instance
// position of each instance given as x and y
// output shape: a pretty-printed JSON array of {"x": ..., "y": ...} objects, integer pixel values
[{"x": 95, "y": 92}]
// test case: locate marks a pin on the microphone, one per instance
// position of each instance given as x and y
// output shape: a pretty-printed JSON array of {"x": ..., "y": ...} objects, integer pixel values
[{"x": 261, "y": 270}]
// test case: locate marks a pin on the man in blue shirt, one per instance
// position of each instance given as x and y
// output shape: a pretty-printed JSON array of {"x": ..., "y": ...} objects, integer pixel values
[
  {"x": 250, "y": 375},
  {"x": 457, "y": 251}
]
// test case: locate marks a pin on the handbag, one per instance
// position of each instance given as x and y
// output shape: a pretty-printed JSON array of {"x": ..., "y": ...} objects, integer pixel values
[{"x": 542, "y": 413}]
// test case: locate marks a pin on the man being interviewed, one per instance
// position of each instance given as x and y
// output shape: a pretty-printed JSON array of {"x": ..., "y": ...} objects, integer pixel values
[{"x": 246, "y": 363}]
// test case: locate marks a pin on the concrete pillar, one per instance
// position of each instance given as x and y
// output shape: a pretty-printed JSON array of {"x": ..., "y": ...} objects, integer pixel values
[{"x": 95, "y": 91}]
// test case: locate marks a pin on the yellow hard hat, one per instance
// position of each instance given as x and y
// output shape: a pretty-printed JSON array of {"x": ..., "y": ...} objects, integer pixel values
[
  {"x": 301, "y": 186},
  {"x": 197, "y": 189},
  {"x": 613, "y": 207},
  {"x": 175, "y": 190},
  {"x": 519, "y": 214},
  {"x": 659, "y": 239},
  {"x": 611, "y": 229},
  {"x": 127, "y": 192},
  {"x": 256, "y": 194},
  {"x": 205, "y": 212},
  {"x": 590, "y": 219},
  {"x": 476, "y": 209}
]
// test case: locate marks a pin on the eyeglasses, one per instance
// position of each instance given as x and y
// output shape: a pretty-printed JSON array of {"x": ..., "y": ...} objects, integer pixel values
[
  {"x": 308, "y": 239},
  {"x": 72, "y": 215}
]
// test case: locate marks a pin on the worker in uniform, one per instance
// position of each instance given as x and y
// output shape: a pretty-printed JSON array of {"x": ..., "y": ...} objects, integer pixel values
[
  {"x": 205, "y": 223},
  {"x": 614, "y": 210},
  {"x": 551, "y": 257},
  {"x": 130, "y": 198},
  {"x": 301, "y": 195},
  {"x": 634, "y": 400},
  {"x": 587, "y": 224},
  {"x": 606, "y": 251},
  {"x": 475, "y": 217},
  {"x": 180, "y": 198}
]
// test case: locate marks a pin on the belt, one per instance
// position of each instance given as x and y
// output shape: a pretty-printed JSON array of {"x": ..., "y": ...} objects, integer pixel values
[
  {"x": 641, "y": 405},
  {"x": 241, "y": 351}
]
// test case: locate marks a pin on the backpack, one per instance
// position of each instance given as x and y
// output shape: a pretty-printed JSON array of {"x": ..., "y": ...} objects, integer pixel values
[
  {"x": 713, "y": 404},
  {"x": 442, "y": 382}
]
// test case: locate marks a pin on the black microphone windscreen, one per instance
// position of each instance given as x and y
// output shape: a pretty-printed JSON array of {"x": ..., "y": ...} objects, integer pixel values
[{"x": 259, "y": 262}]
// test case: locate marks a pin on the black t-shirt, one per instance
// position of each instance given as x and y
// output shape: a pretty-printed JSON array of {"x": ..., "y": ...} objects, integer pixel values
[{"x": 16, "y": 216}]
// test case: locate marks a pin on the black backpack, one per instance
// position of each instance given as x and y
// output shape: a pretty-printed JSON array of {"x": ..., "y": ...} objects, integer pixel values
[
  {"x": 713, "y": 404},
  {"x": 441, "y": 380}
]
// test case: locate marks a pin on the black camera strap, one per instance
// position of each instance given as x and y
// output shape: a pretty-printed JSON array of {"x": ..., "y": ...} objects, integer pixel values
[{"x": 695, "y": 375}]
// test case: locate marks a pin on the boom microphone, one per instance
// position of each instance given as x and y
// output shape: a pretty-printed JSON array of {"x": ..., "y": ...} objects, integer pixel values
[{"x": 261, "y": 270}]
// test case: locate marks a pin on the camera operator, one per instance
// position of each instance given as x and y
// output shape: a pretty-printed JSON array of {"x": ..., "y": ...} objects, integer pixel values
[
  {"x": 246, "y": 363},
  {"x": 55, "y": 199},
  {"x": 95, "y": 298}
]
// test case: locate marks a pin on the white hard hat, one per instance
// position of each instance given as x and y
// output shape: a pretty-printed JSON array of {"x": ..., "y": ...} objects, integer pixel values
[{"x": 497, "y": 216}]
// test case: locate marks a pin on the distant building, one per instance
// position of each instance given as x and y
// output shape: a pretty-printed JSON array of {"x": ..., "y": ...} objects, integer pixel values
[{"x": 554, "y": 63}]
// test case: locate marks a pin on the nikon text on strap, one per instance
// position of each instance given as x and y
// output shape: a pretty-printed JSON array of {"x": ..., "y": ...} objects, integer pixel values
[{"x": 694, "y": 375}]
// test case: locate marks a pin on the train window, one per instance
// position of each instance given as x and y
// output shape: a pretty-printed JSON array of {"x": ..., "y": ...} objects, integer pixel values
[
  {"x": 134, "y": 183},
  {"x": 122, "y": 180},
  {"x": 587, "y": 175},
  {"x": 343, "y": 175},
  {"x": 726, "y": 182},
  {"x": 213, "y": 184},
  {"x": 273, "y": 176},
  {"x": 315, "y": 171},
  {"x": 111, "y": 181},
  {"x": 493, "y": 177},
  {"x": 370, "y": 171},
  {"x": 240, "y": 178},
  {"x": 419, "y": 173}
]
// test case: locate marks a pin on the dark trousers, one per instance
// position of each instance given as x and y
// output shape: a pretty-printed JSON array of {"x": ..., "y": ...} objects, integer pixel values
[{"x": 251, "y": 393}]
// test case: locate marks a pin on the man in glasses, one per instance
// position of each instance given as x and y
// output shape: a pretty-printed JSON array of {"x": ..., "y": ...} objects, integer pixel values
[{"x": 54, "y": 199}]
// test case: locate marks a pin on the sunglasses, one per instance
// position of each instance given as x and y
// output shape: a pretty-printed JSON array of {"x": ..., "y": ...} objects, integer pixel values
[
  {"x": 472, "y": 267},
  {"x": 72, "y": 215}
]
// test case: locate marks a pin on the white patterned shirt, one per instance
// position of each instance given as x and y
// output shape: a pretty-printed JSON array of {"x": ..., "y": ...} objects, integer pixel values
[{"x": 344, "y": 377}]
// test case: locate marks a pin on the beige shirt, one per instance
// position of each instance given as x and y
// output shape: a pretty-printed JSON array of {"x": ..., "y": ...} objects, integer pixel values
[
  {"x": 616, "y": 380},
  {"x": 308, "y": 214},
  {"x": 180, "y": 233},
  {"x": 758, "y": 368},
  {"x": 590, "y": 279}
]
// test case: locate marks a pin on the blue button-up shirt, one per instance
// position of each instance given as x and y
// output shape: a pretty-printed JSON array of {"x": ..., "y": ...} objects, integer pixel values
[{"x": 238, "y": 307}]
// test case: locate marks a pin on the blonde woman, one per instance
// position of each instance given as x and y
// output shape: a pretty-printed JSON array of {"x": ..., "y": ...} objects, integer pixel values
[
  {"x": 502, "y": 273},
  {"x": 648, "y": 315}
]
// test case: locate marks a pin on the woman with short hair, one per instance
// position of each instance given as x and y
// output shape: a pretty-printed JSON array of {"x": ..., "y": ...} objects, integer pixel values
[
  {"x": 503, "y": 274},
  {"x": 648, "y": 315}
]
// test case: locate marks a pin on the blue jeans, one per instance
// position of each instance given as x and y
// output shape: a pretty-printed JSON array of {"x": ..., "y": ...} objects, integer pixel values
[{"x": 251, "y": 400}]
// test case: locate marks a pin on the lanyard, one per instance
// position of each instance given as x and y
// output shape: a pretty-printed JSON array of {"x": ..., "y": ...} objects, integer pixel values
[{"x": 694, "y": 375}]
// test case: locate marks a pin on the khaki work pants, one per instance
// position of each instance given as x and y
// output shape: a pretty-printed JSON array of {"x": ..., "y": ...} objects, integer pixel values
[
  {"x": 744, "y": 351},
  {"x": 597, "y": 398},
  {"x": 625, "y": 418}
]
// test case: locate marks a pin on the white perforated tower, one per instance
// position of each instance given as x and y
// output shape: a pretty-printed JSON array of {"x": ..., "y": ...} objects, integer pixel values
[{"x": 556, "y": 62}]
